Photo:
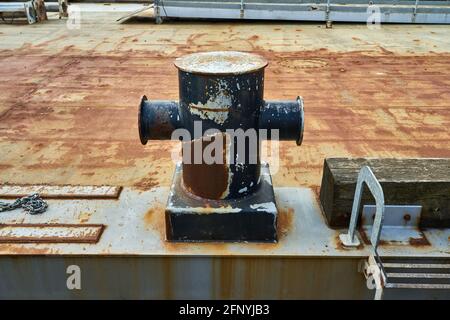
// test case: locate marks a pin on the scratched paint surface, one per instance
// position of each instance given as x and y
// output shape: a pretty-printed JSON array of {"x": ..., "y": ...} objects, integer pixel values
[
  {"x": 69, "y": 98},
  {"x": 41, "y": 232},
  {"x": 220, "y": 62},
  {"x": 52, "y": 191}
]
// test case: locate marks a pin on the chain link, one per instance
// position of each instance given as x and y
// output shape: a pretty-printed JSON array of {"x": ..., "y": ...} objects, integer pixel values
[{"x": 33, "y": 204}]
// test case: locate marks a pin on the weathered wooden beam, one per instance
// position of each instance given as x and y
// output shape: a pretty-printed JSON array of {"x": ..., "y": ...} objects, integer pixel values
[{"x": 424, "y": 182}]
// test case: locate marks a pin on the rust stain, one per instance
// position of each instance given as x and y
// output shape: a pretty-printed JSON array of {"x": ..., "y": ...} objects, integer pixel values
[
  {"x": 168, "y": 279},
  {"x": 197, "y": 176},
  {"x": 84, "y": 217},
  {"x": 416, "y": 242},
  {"x": 193, "y": 38},
  {"x": 228, "y": 283},
  {"x": 419, "y": 242},
  {"x": 226, "y": 276},
  {"x": 192, "y": 106},
  {"x": 300, "y": 63},
  {"x": 146, "y": 183},
  {"x": 316, "y": 191},
  {"x": 27, "y": 250},
  {"x": 54, "y": 191},
  {"x": 339, "y": 246},
  {"x": 215, "y": 248},
  {"x": 284, "y": 221},
  {"x": 85, "y": 238},
  {"x": 154, "y": 219}
]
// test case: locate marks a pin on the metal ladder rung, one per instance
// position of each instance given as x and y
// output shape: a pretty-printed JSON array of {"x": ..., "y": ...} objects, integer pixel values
[
  {"x": 417, "y": 286},
  {"x": 419, "y": 275},
  {"x": 416, "y": 265}
]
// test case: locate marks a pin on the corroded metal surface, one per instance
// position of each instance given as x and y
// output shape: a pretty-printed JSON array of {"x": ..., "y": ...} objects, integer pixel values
[
  {"x": 221, "y": 63},
  {"x": 63, "y": 191},
  {"x": 131, "y": 277},
  {"x": 241, "y": 219},
  {"x": 50, "y": 233},
  {"x": 209, "y": 181},
  {"x": 67, "y": 115},
  {"x": 132, "y": 259},
  {"x": 67, "y": 97},
  {"x": 400, "y": 225},
  {"x": 135, "y": 225}
]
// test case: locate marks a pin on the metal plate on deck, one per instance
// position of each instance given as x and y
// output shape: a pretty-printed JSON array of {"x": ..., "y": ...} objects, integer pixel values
[
  {"x": 50, "y": 233},
  {"x": 135, "y": 225},
  {"x": 61, "y": 191},
  {"x": 400, "y": 225}
]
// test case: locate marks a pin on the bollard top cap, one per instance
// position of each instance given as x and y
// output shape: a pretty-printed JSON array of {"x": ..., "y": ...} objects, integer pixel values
[{"x": 221, "y": 63}]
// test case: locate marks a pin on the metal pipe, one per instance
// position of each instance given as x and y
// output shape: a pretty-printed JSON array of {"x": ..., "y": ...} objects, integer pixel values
[
  {"x": 285, "y": 116},
  {"x": 158, "y": 119}
]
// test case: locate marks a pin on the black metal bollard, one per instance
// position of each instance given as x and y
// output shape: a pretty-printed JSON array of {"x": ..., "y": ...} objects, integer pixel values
[
  {"x": 221, "y": 98},
  {"x": 221, "y": 92}
]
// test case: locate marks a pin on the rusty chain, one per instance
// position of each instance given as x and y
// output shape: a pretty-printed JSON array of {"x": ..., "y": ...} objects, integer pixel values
[{"x": 33, "y": 204}]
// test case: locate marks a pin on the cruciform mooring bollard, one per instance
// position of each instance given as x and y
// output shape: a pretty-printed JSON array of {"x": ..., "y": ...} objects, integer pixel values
[{"x": 221, "y": 191}]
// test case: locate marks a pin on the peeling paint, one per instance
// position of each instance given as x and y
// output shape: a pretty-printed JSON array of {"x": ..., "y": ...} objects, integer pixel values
[
  {"x": 215, "y": 109},
  {"x": 266, "y": 206},
  {"x": 204, "y": 210},
  {"x": 243, "y": 190}
]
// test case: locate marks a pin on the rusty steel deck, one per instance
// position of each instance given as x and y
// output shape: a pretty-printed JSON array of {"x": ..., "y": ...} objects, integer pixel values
[
  {"x": 68, "y": 115},
  {"x": 132, "y": 259},
  {"x": 69, "y": 98}
]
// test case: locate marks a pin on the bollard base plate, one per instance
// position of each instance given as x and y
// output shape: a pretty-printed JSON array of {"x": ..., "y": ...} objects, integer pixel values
[{"x": 252, "y": 218}]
